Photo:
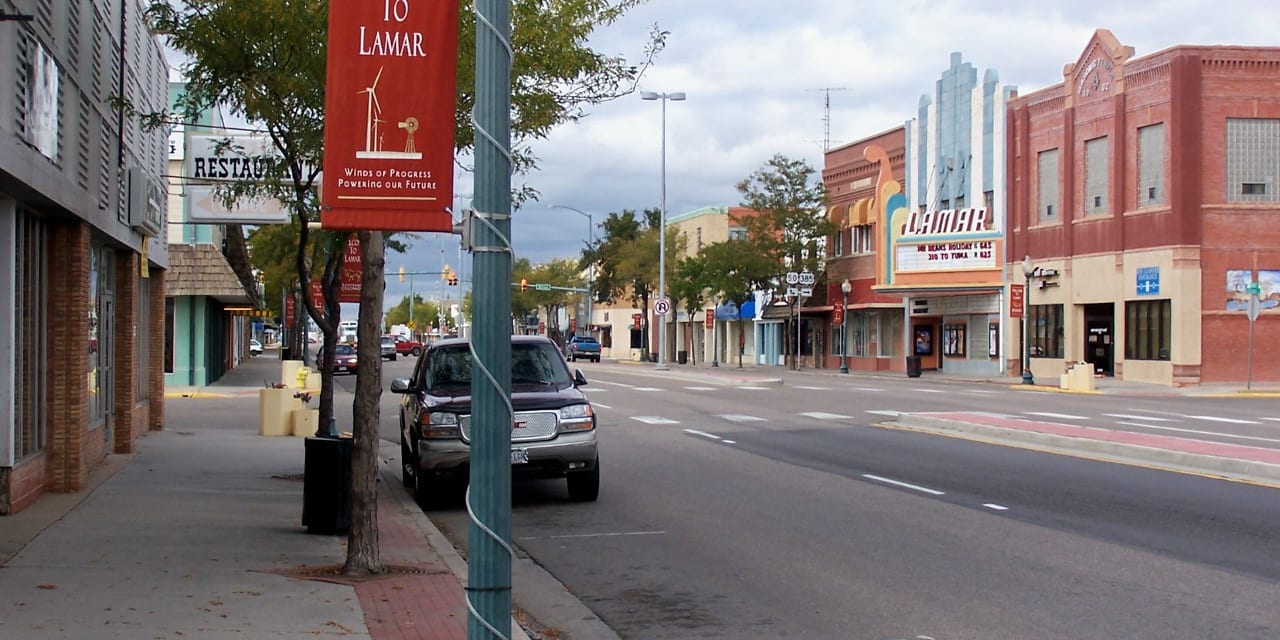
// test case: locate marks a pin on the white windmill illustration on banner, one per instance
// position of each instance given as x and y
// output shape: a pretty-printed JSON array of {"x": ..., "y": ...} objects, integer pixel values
[{"x": 373, "y": 136}]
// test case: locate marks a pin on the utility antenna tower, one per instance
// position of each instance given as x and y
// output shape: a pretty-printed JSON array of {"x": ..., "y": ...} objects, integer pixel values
[{"x": 826, "y": 115}]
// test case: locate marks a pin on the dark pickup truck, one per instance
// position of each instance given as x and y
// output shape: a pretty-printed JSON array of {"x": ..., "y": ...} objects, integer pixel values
[{"x": 582, "y": 347}]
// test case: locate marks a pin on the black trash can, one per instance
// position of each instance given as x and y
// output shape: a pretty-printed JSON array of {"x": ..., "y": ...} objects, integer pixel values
[
  {"x": 682, "y": 357},
  {"x": 913, "y": 366},
  {"x": 326, "y": 485},
  {"x": 284, "y": 352}
]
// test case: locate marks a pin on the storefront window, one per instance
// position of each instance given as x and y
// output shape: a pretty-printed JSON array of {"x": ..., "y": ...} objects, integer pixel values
[
  {"x": 1148, "y": 329},
  {"x": 890, "y": 332},
  {"x": 1046, "y": 330}
]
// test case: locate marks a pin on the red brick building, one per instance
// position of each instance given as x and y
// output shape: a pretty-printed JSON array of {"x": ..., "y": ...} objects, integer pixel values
[
  {"x": 1146, "y": 192},
  {"x": 874, "y": 325}
]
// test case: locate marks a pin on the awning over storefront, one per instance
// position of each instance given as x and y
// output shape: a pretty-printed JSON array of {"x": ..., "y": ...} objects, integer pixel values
[
  {"x": 202, "y": 270},
  {"x": 777, "y": 312}
]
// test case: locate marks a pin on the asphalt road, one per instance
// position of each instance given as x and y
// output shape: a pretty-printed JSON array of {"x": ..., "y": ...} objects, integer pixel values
[{"x": 781, "y": 512}]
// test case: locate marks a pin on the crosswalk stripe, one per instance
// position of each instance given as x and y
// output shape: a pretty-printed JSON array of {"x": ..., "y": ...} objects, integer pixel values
[
  {"x": 654, "y": 420},
  {"x": 1128, "y": 416},
  {"x": 812, "y": 388},
  {"x": 753, "y": 388},
  {"x": 886, "y": 412},
  {"x": 1060, "y": 416},
  {"x": 701, "y": 388},
  {"x": 734, "y": 417},
  {"x": 646, "y": 389},
  {"x": 819, "y": 415},
  {"x": 1226, "y": 420}
]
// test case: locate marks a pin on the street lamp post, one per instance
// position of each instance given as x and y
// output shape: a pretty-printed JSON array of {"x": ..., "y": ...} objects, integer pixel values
[
  {"x": 662, "y": 225},
  {"x": 845, "y": 288},
  {"x": 591, "y": 267},
  {"x": 1027, "y": 270}
]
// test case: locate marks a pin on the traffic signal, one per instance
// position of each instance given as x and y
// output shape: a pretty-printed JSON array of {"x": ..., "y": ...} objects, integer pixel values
[
  {"x": 524, "y": 284},
  {"x": 401, "y": 273},
  {"x": 453, "y": 279}
]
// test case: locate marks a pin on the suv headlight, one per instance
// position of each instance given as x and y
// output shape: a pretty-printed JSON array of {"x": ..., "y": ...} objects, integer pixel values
[
  {"x": 577, "y": 417},
  {"x": 441, "y": 424}
]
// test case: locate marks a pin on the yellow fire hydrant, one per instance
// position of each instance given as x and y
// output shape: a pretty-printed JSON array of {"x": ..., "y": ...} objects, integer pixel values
[{"x": 303, "y": 372}]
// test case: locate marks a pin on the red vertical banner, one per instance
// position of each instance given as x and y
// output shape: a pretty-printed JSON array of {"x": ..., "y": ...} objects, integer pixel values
[
  {"x": 349, "y": 275},
  {"x": 317, "y": 294},
  {"x": 837, "y": 312},
  {"x": 711, "y": 318},
  {"x": 1017, "y": 299},
  {"x": 289, "y": 309},
  {"x": 390, "y": 99}
]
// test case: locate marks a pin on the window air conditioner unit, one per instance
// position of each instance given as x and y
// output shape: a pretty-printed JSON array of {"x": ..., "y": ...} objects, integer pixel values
[{"x": 146, "y": 202}]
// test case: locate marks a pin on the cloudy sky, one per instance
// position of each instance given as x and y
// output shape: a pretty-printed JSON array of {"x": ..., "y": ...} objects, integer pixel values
[{"x": 756, "y": 73}]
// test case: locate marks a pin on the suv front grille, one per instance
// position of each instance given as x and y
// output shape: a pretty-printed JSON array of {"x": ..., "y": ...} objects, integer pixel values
[{"x": 530, "y": 425}]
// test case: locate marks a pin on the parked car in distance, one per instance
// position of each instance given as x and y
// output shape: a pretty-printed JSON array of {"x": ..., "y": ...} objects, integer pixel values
[
  {"x": 344, "y": 358},
  {"x": 255, "y": 348},
  {"x": 554, "y": 430},
  {"x": 407, "y": 346},
  {"x": 388, "y": 347},
  {"x": 583, "y": 347}
]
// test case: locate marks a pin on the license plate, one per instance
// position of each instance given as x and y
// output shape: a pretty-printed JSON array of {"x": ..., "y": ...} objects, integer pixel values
[{"x": 519, "y": 456}]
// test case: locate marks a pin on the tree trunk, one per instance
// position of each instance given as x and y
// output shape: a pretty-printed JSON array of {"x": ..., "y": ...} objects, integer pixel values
[{"x": 363, "y": 554}]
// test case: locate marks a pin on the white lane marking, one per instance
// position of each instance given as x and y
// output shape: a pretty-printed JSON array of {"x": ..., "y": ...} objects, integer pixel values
[
  {"x": 985, "y": 391},
  {"x": 904, "y": 485},
  {"x": 1227, "y": 420},
  {"x": 1061, "y": 416},
  {"x": 616, "y": 384},
  {"x": 702, "y": 433},
  {"x": 819, "y": 415},
  {"x": 596, "y": 390},
  {"x": 886, "y": 412},
  {"x": 997, "y": 507},
  {"x": 730, "y": 441},
  {"x": 735, "y": 417},
  {"x": 602, "y": 406},
  {"x": 930, "y": 391},
  {"x": 595, "y": 535},
  {"x": 1133, "y": 417},
  {"x": 812, "y": 388},
  {"x": 1272, "y": 419},
  {"x": 654, "y": 420},
  {"x": 753, "y": 388},
  {"x": 701, "y": 388},
  {"x": 1202, "y": 433},
  {"x": 646, "y": 389},
  {"x": 866, "y": 389}
]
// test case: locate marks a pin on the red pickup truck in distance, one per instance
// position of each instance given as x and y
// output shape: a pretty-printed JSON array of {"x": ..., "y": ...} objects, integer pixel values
[{"x": 406, "y": 346}]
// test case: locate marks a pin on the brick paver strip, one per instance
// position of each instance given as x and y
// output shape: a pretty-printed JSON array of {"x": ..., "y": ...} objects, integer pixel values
[{"x": 1172, "y": 443}]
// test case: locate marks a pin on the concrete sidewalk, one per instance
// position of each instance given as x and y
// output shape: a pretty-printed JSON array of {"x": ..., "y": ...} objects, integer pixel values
[{"x": 198, "y": 535}]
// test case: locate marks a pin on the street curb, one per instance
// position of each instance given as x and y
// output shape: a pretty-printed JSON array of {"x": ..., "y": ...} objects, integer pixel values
[{"x": 1254, "y": 472}]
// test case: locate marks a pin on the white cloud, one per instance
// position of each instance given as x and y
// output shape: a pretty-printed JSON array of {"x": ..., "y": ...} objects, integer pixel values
[{"x": 754, "y": 69}]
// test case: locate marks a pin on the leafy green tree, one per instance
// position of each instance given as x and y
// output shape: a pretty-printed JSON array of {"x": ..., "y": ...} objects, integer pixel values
[
  {"x": 264, "y": 60},
  {"x": 626, "y": 261},
  {"x": 789, "y": 226}
]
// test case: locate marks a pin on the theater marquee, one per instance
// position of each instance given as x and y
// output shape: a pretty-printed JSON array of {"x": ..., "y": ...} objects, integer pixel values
[{"x": 389, "y": 115}]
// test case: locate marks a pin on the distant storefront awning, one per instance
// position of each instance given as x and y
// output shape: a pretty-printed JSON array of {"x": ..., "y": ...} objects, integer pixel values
[
  {"x": 202, "y": 270},
  {"x": 777, "y": 312}
]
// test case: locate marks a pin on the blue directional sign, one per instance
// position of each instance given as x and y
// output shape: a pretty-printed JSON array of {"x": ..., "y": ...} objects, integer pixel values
[{"x": 1148, "y": 281}]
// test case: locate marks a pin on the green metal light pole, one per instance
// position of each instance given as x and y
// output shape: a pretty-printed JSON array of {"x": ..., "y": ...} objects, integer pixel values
[{"x": 489, "y": 496}]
